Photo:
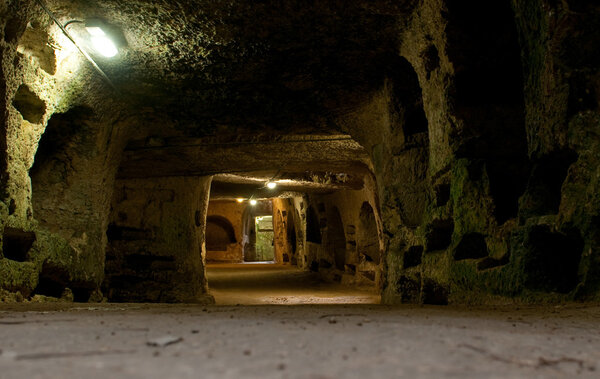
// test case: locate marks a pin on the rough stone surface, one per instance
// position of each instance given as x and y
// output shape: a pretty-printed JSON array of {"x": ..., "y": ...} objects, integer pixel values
[
  {"x": 470, "y": 128},
  {"x": 156, "y": 251}
]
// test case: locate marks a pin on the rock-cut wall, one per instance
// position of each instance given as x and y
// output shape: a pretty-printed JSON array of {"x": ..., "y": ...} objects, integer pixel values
[
  {"x": 61, "y": 135},
  {"x": 485, "y": 149},
  {"x": 156, "y": 249}
]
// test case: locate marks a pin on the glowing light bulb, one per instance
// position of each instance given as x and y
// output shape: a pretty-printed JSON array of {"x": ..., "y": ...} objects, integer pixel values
[
  {"x": 239, "y": 200},
  {"x": 252, "y": 202},
  {"x": 271, "y": 185},
  {"x": 105, "y": 46},
  {"x": 95, "y": 31},
  {"x": 102, "y": 44}
]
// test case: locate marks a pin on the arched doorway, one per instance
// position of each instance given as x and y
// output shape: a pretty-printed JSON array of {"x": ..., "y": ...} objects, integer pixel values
[{"x": 219, "y": 233}]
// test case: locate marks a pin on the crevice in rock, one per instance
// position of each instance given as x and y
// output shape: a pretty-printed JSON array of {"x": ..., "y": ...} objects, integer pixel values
[
  {"x": 409, "y": 143},
  {"x": 439, "y": 235},
  {"x": 325, "y": 264},
  {"x": 545, "y": 184},
  {"x": 407, "y": 99},
  {"x": 81, "y": 295},
  {"x": 12, "y": 207},
  {"x": 413, "y": 256},
  {"x": 490, "y": 262},
  {"x": 471, "y": 246},
  {"x": 52, "y": 281},
  {"x": 433, "y": 293},
  {"x": 442, "y": 194},
  {"x": 16, "y": 244},
  {"x": 63, "y": 130},
  {"x": 431, "y": 59},
  {"x": 313, "y": 226},
  {"x": 489, "y": 97},
  {"x": 14, "y": 28},
  {"x": 551, "y": 260},
  {"x": 367, "y": 235},
  {"x": 583, "y": 94},
  {"x": 507, "y": 183},
  {"x": 31, "y": 107},
  {"x": 409, "y": 289},
  {"x": 67, "y": 139}
]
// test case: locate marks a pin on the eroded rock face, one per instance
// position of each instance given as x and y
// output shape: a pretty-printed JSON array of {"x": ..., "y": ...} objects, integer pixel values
[
  {"x": 470, "y": 131},
  {"x": 503, "y": 175}
]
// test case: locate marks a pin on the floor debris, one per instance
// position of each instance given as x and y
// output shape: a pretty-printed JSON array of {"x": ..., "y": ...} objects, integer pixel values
[{"x": 164, "y": 341}]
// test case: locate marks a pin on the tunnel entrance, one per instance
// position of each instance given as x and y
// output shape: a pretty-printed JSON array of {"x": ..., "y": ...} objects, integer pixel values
[{"x": 265, "y": 226}]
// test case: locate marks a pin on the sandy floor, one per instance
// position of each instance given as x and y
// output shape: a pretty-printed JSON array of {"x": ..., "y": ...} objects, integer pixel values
[{"x": 296, "y": 341}]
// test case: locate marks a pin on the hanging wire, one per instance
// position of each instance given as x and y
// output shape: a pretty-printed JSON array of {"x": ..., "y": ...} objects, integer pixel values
[{"x": 68, "y": 35}]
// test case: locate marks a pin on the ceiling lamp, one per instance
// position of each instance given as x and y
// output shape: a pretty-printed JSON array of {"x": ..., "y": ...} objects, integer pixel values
[
  {"x": 253, "y": 202},
  {"x": 101, "y": 43},
  {"x": 271, "y": 185},
  {"x": 239, "y": 200}
]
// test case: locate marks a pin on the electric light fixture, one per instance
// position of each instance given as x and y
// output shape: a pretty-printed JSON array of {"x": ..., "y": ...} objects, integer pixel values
[{"x": 101, "y": 43}]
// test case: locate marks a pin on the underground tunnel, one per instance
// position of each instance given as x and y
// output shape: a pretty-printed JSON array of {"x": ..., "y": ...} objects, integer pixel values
[{"x": 418, "y": 155}]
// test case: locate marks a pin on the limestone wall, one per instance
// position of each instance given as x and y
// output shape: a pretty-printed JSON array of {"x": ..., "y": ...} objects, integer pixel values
[
  {"x": 156, "y": 240},
  {"x": 54, "y": 211},
  {"x": 490, "y": 194}
]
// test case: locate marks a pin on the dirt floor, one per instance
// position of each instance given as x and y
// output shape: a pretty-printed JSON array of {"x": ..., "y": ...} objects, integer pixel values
[{"x": 60, "y": 340}]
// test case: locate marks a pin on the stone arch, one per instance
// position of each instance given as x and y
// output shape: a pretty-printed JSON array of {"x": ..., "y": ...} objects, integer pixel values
[
  {"x": 367, "y": 234},
  {"x": 336, "y": 238},
  {"x": 219, "y": 233}
]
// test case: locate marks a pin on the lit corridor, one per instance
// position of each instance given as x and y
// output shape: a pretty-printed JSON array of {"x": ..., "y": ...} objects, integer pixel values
[{"x": 265, "y": 283}]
